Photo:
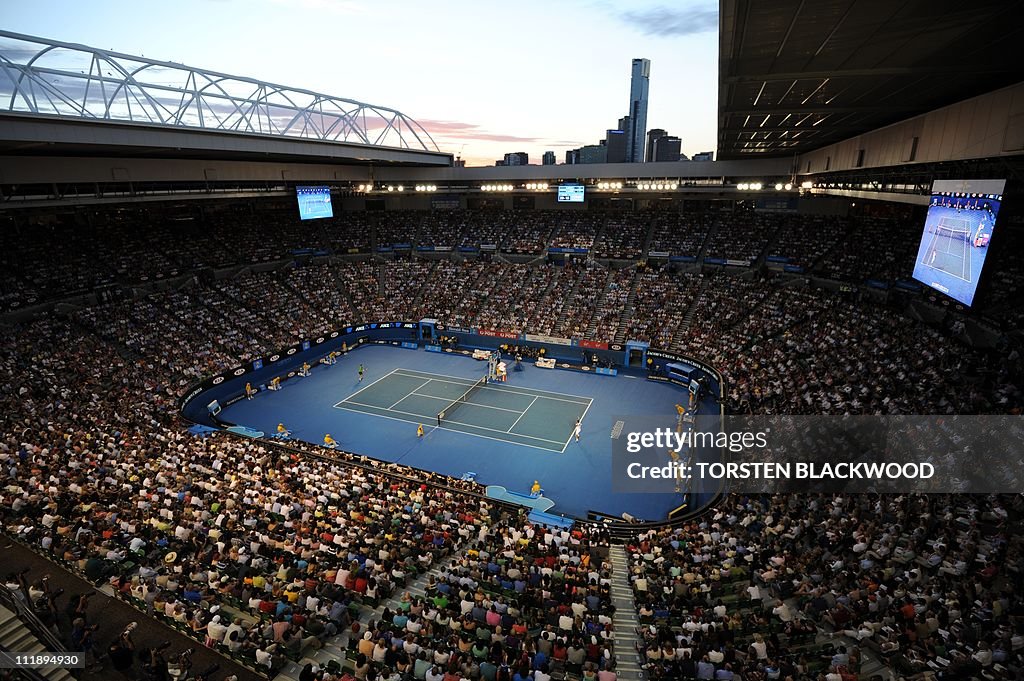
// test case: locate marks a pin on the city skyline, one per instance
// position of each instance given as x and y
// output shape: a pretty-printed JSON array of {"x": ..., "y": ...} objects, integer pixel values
[{"x": 451, "y": 68}]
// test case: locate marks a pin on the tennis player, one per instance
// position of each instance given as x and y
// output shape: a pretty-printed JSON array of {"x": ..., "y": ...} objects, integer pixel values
[
  {"x": 360, "y": 373},
  {"x": 576, "y": 431}
]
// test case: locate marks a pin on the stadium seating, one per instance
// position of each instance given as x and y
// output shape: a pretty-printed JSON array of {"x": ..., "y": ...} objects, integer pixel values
[{"x": 288, "y": 545}]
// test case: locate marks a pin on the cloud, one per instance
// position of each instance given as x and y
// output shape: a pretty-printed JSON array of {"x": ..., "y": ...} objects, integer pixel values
[
  {"x": 672, "y": 21},
  {"x": 469, "y": 131}
]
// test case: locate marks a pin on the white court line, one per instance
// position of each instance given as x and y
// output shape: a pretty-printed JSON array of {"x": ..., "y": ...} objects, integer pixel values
[
  {"x": 468, "y": 425},
  {"x": 521, "y": 416},
  {"x": 474, "y": 404},
  {"x": 369, "y": 386},
  {"x": 581, "y": 423},
  {"x": 412, "y": 393},
  {"x": 507, "y": 389}
]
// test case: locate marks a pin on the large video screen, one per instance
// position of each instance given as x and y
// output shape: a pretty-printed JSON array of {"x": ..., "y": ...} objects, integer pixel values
[
  {"x": 570, "y": 193},
  {"x": 314, "y": 202},
  {"x": 957, "y": 231}
]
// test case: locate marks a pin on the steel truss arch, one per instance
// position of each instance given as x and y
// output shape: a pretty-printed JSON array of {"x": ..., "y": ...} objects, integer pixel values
[{"x": 50, "y": 77}]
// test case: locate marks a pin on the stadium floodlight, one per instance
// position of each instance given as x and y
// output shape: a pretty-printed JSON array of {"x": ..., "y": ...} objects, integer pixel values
[
  {"x": 756, "y": 186},
  {"x": 742, "y": 186},
  {"x": 674, "y": 186},
  {"x": 401, "y": 188},
  {"x": 419, "y": 187},
  {"x": 789, "y": 186},
  {"x": 778, "y": 186},
  {"x": 485, "y": 188},
  {"x": 806, "y": 185},
  {"x": 391, "y": 188}
]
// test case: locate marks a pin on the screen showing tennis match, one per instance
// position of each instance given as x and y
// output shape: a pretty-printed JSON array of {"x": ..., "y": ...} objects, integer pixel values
[
  {"x": 957, "y": 231},
  {"x": 314, "y": 202}
]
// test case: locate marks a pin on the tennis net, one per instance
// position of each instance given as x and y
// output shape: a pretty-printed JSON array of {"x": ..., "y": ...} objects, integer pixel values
[
  {"x": 447, "y": 412},
  {"x": 954, "y": 228}
]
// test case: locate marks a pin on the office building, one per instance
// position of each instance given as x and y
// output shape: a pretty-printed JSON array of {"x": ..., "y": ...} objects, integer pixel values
[
  {"x": 704, "y": 156},
  {"x": 518, "y": 158},
  {"x": 615, "y": 146},
  {"x": 549, "y": 158},
  {"x": 593, "y": 153},
  {"x": 664, "y": 148},
  {"x": 652, "y": 136}
]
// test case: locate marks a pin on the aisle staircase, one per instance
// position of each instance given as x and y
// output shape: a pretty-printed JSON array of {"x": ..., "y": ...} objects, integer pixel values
[
  {"x": 592, "y": 324},
  {"x": 691, "y": 311},
  {"x": 627, "y": 310},
  {"x": 625, "y": 621},
  {"x": 15, "y": 636}
]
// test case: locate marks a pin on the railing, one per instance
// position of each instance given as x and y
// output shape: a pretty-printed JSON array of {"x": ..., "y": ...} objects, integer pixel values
[
  {"x": 26, "y": 616},
  {"x": 50, "y": 77}
]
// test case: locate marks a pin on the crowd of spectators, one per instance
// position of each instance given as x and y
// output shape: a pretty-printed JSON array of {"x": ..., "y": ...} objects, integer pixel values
[
  {"x": 588, "y": 288},
  {"x": 623, "y": 236},
  {"x": 97, "y": 473},
  {"x": 804, "y": 239},
  {"x": 58, "y": 256},
  {"x": 611, "y": 305},
  {"x": 878, "y": 248},
  {"x": 741, "y": 236},
  {"x": 659, "y": 309},
  {"x": 679, "y": 233},
  {"x": 521, "y": 602},
  {"x": 577, "y": 229},
  {"x": 810, "y": 585}
]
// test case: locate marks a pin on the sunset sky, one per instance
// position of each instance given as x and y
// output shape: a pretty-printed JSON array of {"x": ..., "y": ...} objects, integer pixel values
[{"x": 484, "y": 78}]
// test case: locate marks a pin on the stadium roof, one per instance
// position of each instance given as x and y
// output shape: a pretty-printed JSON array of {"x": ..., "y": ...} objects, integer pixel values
[
  {"x": 796, "y": 75},
  {"x": 61, "y": 95}
]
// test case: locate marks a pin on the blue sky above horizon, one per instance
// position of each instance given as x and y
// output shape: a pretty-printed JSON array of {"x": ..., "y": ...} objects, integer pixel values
[{"x": 483, "y": 78}]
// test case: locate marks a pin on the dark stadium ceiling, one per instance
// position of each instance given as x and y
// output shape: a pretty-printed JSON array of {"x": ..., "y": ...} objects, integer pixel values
[{"x": 796, "y": 75}]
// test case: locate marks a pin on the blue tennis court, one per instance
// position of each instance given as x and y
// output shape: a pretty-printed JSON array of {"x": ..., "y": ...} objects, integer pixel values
[
  {"x": 509, "y": 434},
  {"x": 496, "y": 411}
]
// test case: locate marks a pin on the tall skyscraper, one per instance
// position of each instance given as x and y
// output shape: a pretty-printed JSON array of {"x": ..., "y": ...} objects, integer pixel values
[
  {"x": 638, "y": 88},
  {"x": 549, "y": 158}
]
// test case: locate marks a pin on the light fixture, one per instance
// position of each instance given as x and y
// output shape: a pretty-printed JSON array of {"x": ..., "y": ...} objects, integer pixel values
[
  {"x": 778, "y": 186},
  {"x": 806, "y": 185},
  {"x": 391, "y": 188},
  {"x": 401, "y": 188},
  {"x": 742, "y": 186},
  {"x": 789, "y": 186},
  {"x": 756, "y": 186},
  {"x": 419, "y": 187}
]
